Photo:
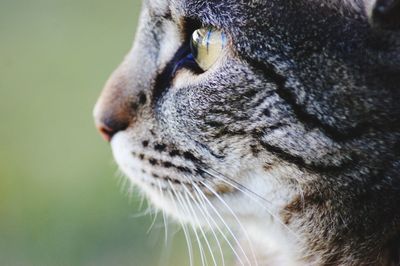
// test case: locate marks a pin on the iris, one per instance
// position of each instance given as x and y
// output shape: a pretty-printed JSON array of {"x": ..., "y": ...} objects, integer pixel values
[{"x": 207, "y": 44}]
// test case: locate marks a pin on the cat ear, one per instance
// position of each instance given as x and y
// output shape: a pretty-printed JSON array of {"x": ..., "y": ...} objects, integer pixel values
[{"x": 384, "y": 14}]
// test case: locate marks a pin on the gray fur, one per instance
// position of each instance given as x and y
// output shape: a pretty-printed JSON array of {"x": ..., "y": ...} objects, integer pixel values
[{"x": 309, "y": 85}]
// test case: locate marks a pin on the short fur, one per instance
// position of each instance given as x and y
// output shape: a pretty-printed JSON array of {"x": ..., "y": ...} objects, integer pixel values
[{"x": 296, "y": 127}]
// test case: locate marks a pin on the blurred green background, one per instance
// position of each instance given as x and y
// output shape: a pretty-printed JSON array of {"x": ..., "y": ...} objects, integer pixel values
[{"x": 61, "y": 202}]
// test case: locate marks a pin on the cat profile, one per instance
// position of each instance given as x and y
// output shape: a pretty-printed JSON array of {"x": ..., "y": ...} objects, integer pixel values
[{"x": 275, "y": 124}]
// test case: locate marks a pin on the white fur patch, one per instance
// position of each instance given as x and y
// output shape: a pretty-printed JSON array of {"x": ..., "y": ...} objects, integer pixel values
[
  {"x": 169, "y": 44},
  {"x": 158, "y": 6}
]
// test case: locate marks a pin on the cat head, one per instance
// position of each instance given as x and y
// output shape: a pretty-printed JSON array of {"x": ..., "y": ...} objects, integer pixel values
[{"x": 284, "y": 111}]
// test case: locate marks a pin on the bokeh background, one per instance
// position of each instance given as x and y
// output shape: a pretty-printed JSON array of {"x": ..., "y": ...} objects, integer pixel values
[{"x": 61, "y": 202}]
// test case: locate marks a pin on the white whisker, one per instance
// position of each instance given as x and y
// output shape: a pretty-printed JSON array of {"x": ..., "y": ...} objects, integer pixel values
[
  {"x": 184, "y": 228},
  {"x": 163, "y": 214},
  {"x": 253, "y": 196},
  {"x": 184, "y": 206},
  {"x": 226, "y": 226},
  {"x": 142, "y": 197},
  {"x": 187, "y": 194},
  {"x": 146, "y": 212},
  {"x": 235, "y": 217},
  {"x": 207, "y": 217},
  {"x": 153, "y": 222},
  {"x": 235, "y": 184}
]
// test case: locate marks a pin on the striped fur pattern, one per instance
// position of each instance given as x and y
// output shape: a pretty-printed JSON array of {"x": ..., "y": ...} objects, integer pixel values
[{"x": 287, "y": 149}]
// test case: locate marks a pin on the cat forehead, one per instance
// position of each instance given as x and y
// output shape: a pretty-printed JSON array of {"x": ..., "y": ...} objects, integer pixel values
[{"x": 164, "y": 6}]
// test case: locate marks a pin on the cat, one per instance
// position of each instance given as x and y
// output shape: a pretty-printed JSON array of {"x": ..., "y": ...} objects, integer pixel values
[{"x": 275, "y": 122}]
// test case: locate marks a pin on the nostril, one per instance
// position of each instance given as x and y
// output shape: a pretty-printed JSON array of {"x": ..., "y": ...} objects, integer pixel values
[
  {"x": 106, "y": 133},
  {"x": 108, "y": 130}
]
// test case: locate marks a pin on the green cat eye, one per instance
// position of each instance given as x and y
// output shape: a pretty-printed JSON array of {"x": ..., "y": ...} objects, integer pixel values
[{"x": 207, "y": 45}]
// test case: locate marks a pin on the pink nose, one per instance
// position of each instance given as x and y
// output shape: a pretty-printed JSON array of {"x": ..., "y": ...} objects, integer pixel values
[
  {"x": 107, "y": 131},
  {"x": 118, "y": 104}
]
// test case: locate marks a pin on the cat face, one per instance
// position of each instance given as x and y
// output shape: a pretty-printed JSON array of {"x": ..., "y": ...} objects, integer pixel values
[{"x": 292, "y": 122}]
